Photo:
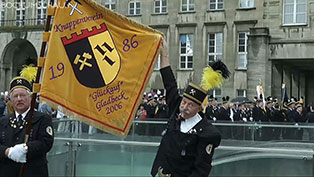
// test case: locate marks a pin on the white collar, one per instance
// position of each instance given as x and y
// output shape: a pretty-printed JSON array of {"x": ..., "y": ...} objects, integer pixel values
[
  {"x": 23, "y": 115},
  {"x": 189, "y": 123}
]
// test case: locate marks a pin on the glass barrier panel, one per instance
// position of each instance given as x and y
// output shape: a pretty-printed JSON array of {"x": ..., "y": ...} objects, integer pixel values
[
  {"x": 263, "y": 159},
  {"x": 247, "y": 148},
  {"x": 266, "y": 131}
]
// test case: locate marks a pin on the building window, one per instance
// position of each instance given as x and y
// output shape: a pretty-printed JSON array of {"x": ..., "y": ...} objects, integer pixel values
[
  {"x": 216, "y": 94},
  {"x": 160, "y": 6},
  {"x": 20, "y": 12},
  {"x": 186, "y": 51},
  {"x": 215, "y": 47},
  {"x": 187, "y": 5},
  {"x": 295, "y": 12},
  {"x": 2, "y": 10},
  {"x": 134, "y": 8},
  {"x": 110, "y": 4},
  {"x": 242, "y": 50},
  {"x": 241, "y": 92},
  {"x": 246, "y": 3},
  {"x": 41, "y": 12},
  {"x": 216, "y": 4}
]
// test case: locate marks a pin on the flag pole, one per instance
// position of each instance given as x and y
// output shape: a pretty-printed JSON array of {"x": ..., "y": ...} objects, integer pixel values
[
  {"x": 34, "y": 95},
  {"x": 283, "y": 94}
]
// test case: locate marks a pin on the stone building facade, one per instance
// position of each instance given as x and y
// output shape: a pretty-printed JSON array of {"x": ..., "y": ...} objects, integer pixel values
[{"x": 261, "y": 41}]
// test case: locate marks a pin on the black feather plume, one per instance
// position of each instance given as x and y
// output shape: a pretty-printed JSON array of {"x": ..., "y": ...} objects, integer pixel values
[{"x": 219, "y": 65}]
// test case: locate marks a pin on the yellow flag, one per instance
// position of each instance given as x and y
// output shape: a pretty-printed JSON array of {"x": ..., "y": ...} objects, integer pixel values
[{"x": 97, "y": 65}]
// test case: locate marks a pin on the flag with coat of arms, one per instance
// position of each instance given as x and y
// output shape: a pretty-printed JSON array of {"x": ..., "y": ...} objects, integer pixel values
[{"x": 97, "y": 65}]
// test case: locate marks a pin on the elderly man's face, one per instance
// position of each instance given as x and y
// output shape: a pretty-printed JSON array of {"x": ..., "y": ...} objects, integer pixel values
[
  {"x": 21, "y": 100},
  {"x": 189, "y": 108}
]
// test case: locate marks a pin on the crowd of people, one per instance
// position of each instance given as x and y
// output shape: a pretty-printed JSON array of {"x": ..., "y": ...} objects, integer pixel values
[
  {"x": 270, "y": 110},
  {"x": 267, "y": 111},
  {"x": 154, "y": 107}
]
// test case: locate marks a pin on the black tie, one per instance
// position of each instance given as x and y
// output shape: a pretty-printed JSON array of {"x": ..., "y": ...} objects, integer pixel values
[
  {"x": 20, "y": 120},
  {"x": 181, "y": 118}
]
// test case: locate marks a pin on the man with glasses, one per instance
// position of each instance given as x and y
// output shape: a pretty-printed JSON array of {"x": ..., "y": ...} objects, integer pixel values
[
  {"x": 13, "y": 150},
  {"x": 188, "y": 143}
]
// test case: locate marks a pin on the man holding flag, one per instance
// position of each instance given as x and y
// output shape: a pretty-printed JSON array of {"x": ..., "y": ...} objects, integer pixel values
[
  {"x": 13, "y": 149},
  {"x": 188, "y": 143}
]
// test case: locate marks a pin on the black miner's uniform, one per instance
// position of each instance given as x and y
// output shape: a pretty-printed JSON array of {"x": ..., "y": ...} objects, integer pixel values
[
  {"x": 40, "y": 142},
  {"x": 211, "y": 112},
  {"x": 184, "y": 154}
]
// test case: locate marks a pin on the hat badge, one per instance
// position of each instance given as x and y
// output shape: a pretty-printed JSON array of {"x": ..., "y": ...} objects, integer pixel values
[
  {"x": 19, "y": 81},
  {"x": 192, "y": 92}
]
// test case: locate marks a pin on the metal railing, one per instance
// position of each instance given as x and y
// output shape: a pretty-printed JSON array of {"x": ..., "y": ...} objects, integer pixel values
[
  {"x": 80, "y": 145},
  {"x": 23, "y": 22},
  {"x": 229, "y": 130}
]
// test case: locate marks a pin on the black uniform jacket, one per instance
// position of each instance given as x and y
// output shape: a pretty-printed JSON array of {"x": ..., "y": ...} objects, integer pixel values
[
  {"x": 224, "y": 114},
  {"x": 291, "y": 115},
  {"x": 212, "y": 112},
  {"x": 184, "y": 154},
  {"x": 40, "y": 142},
  {"x": 259, "y": 114},
  {"x": 310, "y": 117}
]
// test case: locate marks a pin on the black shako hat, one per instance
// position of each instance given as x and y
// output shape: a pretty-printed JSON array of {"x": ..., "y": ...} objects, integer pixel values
[
  {"x": 212, "y": 98},
  {"x": 195, "y": 93},
  {"x": 20, "y": 82}
]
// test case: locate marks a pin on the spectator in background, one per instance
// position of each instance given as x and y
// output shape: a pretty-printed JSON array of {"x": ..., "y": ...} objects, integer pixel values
[
  {"x": 9, "y": 108},
  {"x": 224, "y": 115},
  {"x": 64, "y": 125},
  {"x": 278, "y": 117},
  {"x": 224, "y": 111},
  {"x": 161, "y": 109},
  {"x": 291, "y": 114},
  {"x": 161, "y": 113},
  {"x": 300, "y": 118},
  {"x": 2, "y": 105},
  {"x": 212, "y": 111},
  {"x": 267, "y": 132},
  {"x": 141, "y": 113},
  {"x": 150, "y": 107},
  {"x": 42, "y": 107},
  {"x": 310, "y": 118}
]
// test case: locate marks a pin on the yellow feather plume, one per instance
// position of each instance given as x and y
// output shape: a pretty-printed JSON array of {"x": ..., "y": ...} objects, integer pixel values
[
  {"x": 29, "y": 72},
  {"x": 211, "y": 79}
]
